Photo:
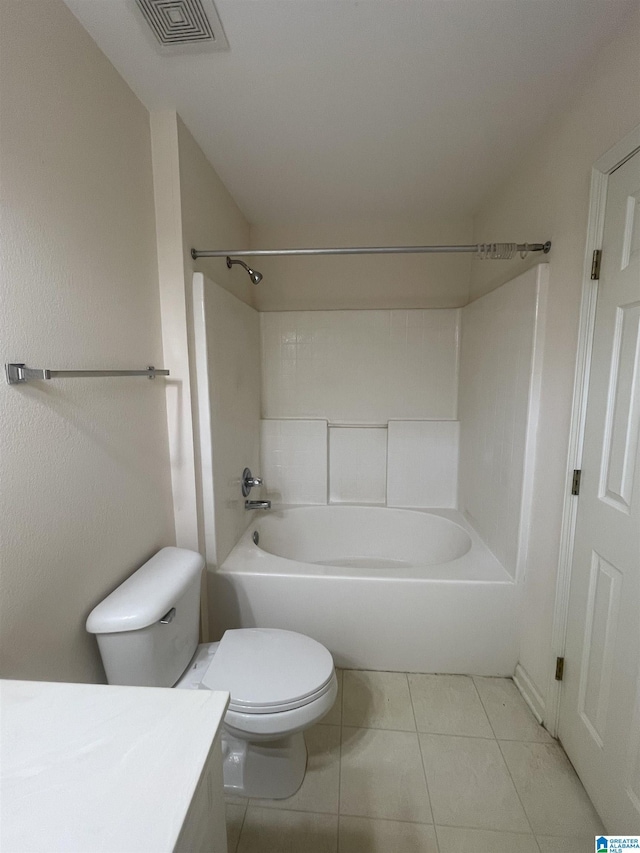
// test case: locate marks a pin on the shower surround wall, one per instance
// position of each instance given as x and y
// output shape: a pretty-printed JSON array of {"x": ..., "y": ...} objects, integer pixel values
[
  {"x": 361, "y": 407},
  {"x": 227, "y": 356},
  {"x": 351, "y": 398},
  {"x": 501, "y": 344}
]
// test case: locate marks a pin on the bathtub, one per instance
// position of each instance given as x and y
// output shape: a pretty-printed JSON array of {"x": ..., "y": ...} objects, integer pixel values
[{"x": 382, "y": 588}]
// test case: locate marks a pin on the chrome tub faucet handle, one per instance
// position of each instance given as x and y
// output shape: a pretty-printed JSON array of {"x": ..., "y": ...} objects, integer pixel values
[{"x": 249, "y": 481}]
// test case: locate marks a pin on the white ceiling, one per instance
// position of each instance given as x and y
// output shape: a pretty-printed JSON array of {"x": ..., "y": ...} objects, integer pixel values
[{"x": 329, "y": 110}]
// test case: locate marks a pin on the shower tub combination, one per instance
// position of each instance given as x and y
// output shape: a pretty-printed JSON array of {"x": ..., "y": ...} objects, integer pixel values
[{"x": 382, "y": 588}]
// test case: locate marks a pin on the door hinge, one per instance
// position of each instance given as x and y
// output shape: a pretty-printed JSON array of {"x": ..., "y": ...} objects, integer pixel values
[
  {"x": 595, "y": 264},
  {"x": 575, "y": 482},
  {"x": 559, "y": 669}
]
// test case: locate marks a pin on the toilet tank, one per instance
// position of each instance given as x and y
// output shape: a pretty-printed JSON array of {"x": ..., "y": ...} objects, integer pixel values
[{"x": 147, "y": 629}]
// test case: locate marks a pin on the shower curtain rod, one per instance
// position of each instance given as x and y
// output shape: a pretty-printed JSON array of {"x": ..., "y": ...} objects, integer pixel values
[{"x": 492, "y": 251}]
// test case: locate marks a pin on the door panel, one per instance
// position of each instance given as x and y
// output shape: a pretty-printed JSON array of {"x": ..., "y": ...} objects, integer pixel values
[{"x": 623, "y": 411}]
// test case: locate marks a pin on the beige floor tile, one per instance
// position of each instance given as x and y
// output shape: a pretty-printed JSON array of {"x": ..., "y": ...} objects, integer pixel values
[
  {"x": 334, "y": 717},
  {"x": 469, "y": 784},
  {"x": 508, "y": 713},
  {"x": 235, "y": 817},
  {"x": 364, "y": 835},
  {"x": 553, "y": 796},
  {"x": 280, "y": 831},
  {"x": 382, "y": 776},
  {"x": 320, "y": 789},
  {"x": 453, "y": 840},
  {"x": 377, "y": 700},
  {"x": 448, "y": 705},
  {"x": 557, "y": 844}
]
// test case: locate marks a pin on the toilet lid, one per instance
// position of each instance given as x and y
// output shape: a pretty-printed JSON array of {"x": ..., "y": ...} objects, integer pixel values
[{"x": 267, "y": 670}]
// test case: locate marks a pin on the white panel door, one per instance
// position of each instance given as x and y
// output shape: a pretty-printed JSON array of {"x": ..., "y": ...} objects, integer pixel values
[{"x": 600, "y": 709}]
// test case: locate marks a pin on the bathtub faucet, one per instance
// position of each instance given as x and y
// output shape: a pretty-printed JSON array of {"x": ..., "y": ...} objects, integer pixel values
[{"x": 257, "y": 504}]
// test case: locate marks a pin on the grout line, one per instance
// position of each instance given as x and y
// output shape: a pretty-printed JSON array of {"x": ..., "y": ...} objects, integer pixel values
[
  {"x": 544, "y": 742},
  {"x": 504, "y": 760},
  {"x": 435, "y": 826},
  {"x": 417, "y": 823},
  {"x": 455, "y": 826},
  {"x": 387, "y": 819},
  {"x": 526, "y": 706},
  {"x": 443, "y": 734},
  {"x": 296, "y": 811},
  {"x": 496, "y": 831},
  {"x": 424, "y": 769},
  {"x": 244, "y": 817},
  {"x": 524, "y": 834},
  {"x": 412, "y": 732},
  {"x": 526, "y": 814},
  {"x": 451, "y": 734},
  {"x": 486, "y": 713},
  {"x": 262, "y": 804}
]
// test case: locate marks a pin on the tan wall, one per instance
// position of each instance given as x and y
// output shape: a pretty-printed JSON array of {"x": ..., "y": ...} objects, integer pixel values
[
  {"x": 210, "y": 219},
  {"x": 363, "y": 281},
  {"x": 548, "y": 198},
  {"x": 84, "y": 496}
]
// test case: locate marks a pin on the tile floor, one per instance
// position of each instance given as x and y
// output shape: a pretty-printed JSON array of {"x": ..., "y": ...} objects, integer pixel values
[{"x": 424, "y": 764}]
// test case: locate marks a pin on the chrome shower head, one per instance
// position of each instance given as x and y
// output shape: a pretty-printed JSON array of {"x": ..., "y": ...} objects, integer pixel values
[{"x": 254, "y": 275}]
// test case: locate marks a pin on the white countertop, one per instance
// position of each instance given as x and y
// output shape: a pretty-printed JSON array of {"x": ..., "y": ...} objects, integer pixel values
[{"x": 99, "y": 768}]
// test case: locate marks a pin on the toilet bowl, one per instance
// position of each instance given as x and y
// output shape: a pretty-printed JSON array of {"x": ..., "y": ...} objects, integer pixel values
[{"x": 280, "y": 682}]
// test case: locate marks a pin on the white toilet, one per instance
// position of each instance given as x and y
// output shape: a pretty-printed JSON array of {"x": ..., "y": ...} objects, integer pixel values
[{"x": 280, "y": 682}]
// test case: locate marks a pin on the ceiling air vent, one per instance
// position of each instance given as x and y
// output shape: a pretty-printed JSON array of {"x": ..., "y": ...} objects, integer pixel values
[{"x": 179, "y": 23}]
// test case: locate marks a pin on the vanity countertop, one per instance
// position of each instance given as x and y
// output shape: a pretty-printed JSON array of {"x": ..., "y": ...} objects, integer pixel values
[{"x": 94, "y": 767}]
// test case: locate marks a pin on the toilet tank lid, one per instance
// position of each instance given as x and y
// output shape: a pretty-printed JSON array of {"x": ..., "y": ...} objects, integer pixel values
[{"x": 148, "y": 594}]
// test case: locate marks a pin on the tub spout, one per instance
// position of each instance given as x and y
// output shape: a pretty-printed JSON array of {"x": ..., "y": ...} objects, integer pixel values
[{"x": 257, "y": 504}]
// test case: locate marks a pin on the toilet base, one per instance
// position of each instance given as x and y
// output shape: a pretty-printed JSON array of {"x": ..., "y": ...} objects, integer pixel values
[{"x": 267, "y": 769}]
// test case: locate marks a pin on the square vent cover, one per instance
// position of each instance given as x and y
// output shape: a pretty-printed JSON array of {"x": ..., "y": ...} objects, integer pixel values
[{"x": 179, "y": 24}]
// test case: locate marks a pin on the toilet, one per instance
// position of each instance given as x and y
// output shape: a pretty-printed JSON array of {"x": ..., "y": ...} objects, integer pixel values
[{"x": 280, "y": 682}]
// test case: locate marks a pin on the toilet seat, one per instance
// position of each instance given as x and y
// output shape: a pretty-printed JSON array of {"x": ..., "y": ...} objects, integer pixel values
[{"x": 269, "y": 671}]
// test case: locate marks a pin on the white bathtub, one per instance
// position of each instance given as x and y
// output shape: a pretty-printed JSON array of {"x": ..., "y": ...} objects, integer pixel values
[{"x": 388, "y": 589}]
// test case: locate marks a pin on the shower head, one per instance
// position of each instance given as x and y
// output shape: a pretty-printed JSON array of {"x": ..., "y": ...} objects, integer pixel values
[{"x": 254, "y": 275}]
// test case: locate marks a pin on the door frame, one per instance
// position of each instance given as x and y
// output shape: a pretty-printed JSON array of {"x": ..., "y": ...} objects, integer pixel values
[{"x": 600, "y": 172}]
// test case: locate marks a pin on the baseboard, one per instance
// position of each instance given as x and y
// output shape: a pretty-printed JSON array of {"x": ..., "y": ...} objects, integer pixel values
[{"x": 529, "y": 693}]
